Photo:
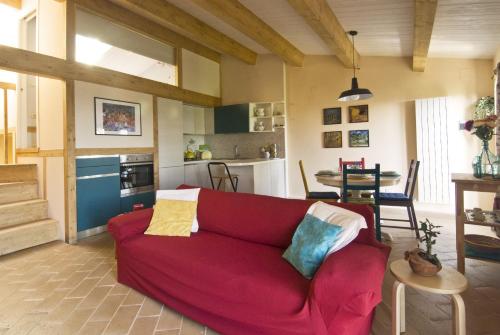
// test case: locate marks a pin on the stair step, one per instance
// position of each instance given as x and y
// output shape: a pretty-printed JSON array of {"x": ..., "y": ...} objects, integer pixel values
[
  {"x": 23, "y": 212},
  {"x": 27, "y": 235},
  {"x": 18, "y": 191},
  {"x": 18, "y": 172}
]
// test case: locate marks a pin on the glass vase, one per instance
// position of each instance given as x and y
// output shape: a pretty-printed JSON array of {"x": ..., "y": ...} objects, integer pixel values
[{"x": 485, "y": 164}]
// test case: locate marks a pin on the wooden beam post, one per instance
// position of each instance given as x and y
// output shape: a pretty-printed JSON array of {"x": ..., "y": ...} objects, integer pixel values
[
  {"x": 70, "y": 235},
  {"x": 5, "y": 126},
  {"x": 425, "y": 13},
  {"x": 169, "y": 15},
  {"x": 139, "y": 24},
  {"x": 28, "y": 62},
  {"x": 323, "y": 21},
  {"x": 156, "y": 157},
  {"x": 241, "y": 18}
]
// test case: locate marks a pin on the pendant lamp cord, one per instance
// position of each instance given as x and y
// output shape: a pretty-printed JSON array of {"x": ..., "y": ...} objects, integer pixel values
[{"x": 353, "y": 65}]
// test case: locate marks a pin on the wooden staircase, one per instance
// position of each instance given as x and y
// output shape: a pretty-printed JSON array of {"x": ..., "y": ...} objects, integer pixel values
[{"x": 24, "y": 218}]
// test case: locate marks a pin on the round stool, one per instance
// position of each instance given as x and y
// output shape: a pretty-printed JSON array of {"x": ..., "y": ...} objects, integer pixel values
[{"x": 447, "y": 281}]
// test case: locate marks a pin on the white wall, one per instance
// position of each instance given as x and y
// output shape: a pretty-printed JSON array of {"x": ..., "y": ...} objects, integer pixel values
[
  {"x": 85, "y": 118},
  {"x": 200, "y": 74}
]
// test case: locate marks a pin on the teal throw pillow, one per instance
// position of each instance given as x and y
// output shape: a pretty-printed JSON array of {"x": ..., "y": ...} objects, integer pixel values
[{"x": 310, "y": 244}]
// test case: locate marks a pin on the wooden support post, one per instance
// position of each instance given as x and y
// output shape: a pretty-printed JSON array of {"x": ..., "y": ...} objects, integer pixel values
[
  {"x": 156, "y": 163},
  {"x": 5, "y": 126}
]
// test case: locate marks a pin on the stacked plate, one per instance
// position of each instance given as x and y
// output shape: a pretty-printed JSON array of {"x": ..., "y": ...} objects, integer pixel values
[
  {"x": 389, "y": 174},
  {"x": 327, "y": 173}
]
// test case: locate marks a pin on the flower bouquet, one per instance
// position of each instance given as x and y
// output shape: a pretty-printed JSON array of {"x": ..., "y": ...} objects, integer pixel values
[{"x": 485, "y": 164}]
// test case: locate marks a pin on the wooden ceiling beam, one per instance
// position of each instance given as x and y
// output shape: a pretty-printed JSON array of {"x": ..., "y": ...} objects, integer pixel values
[
  {"x": 170, "y": 16},
  {"x": 139, "y": 24},
  {"x": 12, "y": 3},
  {"x": 425, "y": 13},
  {"x": 323, "y": 21},
  {"x": 241, "y": 18},
  {"x": 32, "y": 63}
]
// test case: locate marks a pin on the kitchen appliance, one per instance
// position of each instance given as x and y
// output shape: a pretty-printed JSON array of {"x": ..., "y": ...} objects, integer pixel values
[{"x": 136, "y": 174}]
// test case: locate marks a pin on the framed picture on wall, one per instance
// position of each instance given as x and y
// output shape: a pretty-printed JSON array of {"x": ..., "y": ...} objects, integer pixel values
[
  {"x": 359, "y": 138},
  {"x": 358, "y": 113},
  {"x": 332, "y": 115},
  {"x": 119, "y": 118},
  {"x": 332, "y": 139}
]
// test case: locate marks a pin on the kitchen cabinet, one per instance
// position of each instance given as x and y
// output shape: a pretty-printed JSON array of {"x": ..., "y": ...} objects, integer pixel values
[
  {"x": 197, "y": 120},
  {"x": 196, "y": 174},
  {"x": 97, "y": 191},
  {"x": 127, "y": 203},
  {"x": 171, "y": 177},
  {"x": 232, "y": 119}
]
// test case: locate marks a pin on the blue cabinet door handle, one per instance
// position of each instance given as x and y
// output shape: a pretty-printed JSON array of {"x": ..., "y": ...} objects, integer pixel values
[{"x": 98, "y": 176}]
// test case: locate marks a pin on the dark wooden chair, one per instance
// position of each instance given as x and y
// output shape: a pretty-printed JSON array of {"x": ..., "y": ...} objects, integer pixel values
[
  {"x": 374, "y": 187},
  {"x": 222, "y": 177},
  {"x": 352, "y": 164},
  {"x": 404, "y": 200},
  {"x": 323, "y": 196}
]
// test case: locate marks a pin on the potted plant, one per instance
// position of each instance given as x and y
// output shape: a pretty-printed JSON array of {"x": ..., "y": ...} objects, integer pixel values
[{"x": 424, "y": 262}]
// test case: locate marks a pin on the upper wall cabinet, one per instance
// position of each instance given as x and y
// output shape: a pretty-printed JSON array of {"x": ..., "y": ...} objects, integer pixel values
[
  {"x": 198, "y": 120},
  {"x": 250, "y": 117}
]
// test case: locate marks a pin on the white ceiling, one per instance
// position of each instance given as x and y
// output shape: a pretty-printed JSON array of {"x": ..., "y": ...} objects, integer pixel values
[{"x": 463, "y": 28}]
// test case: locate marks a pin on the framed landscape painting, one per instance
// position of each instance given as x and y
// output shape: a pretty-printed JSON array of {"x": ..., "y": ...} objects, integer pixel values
[
  {"x": 358, "y": 113},
  {"x": 332, "y": 139},
  {"x": 114, "y": 117},
  {"x": 359, "y": 138},
  {"x": 332, "y": 115}
]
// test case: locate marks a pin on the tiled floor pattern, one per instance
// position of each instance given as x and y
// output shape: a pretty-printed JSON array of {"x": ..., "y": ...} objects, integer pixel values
[{"x": 59, "y": 289}]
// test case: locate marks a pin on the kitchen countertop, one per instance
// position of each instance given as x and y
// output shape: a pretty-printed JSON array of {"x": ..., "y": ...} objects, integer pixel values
[{"x": 236, "y": 162}]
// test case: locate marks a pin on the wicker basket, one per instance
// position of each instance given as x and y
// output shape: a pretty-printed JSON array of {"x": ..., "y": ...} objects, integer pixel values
[{"x": 482, "y": 246}]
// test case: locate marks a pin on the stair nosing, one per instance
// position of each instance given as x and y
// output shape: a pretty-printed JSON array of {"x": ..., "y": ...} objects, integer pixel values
[{"x": 3, "y": 230}]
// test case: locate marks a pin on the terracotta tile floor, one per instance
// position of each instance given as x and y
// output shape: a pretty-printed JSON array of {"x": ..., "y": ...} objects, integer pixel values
[{"x": 71, "y": 289}]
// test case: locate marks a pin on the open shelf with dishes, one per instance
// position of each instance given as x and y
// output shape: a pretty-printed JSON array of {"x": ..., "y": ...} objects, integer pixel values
[{"x": 267, "y": 116}]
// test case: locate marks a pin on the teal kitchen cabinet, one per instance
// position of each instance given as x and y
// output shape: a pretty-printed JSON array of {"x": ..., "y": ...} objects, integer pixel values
[
  {"x": 97, "y": 191},
  {"x": 232, "y": 119},
  {"x": 127, "y": 203}
]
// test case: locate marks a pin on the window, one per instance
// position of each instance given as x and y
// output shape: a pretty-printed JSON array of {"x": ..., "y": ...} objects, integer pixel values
[{"x": 102, "y": 43}]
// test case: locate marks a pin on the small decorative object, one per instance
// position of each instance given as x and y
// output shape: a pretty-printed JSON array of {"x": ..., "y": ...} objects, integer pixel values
[
  {"x": 259, "y": 126},
  {"x": 259, "y": 112},
  {"x": 332, "y": 115},
  {"x": 359, "y": 138},
  {"x": 358, "y": 114},
  {"x": 485, "y": 164},
  {"x": 332, "y": 139},
  {"x": 424, "y": 262},
  {"x": 113, "y": 117}
]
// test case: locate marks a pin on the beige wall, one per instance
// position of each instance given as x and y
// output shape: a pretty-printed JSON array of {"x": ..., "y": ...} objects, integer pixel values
[
  {"x": 496, "y": 59},
  {"x": 200, "y": 74},
  {"x": 85, "y": 119},
  {"x": 252, "y": 83},
  {"x": 391, "y": 112}
]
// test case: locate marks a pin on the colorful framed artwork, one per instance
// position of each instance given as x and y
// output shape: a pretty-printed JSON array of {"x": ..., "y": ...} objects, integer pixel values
[
  {"x": 358, "y": 114},
  {"x": 359, "y": 138},
  {"x": 119, "y": 118},
  {"x": 332, "y": 139},
  {"x": 332, "y": 115}
]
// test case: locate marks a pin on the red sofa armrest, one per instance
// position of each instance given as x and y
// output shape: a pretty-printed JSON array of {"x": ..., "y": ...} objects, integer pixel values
[
  {"x": 349, "y": 283},
  {"x": 126, "y": 226}
]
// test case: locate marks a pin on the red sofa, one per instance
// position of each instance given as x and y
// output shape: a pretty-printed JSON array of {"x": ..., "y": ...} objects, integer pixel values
[{"x": 231, "y": 276}]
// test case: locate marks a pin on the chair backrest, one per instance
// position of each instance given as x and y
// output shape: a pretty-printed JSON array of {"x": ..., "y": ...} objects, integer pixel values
[
  {"x": 375, "y": 186},
  {"x": 411, "y": 181},
  {"x": 226, "y": 171},
  {"x": 304, "y": 179},
  {"x": 358, "y": 164}
]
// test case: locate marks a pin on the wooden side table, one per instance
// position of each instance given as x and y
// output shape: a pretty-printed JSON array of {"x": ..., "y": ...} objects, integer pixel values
[{"x": 447, "y": 281}]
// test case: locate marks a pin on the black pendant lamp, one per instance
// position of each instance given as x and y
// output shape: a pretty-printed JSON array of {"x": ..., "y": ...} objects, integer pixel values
[{"x": 355, "y": 93}]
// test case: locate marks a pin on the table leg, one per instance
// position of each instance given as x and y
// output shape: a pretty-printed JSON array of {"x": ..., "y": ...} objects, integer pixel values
[
  {"x": 458, "y": 315},
  {"x": 398, "y": 308},
  {"x": 459, "y": 225}
]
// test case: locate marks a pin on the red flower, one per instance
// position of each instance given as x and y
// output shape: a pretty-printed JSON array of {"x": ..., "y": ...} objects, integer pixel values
[{"x": 468, "y": 125}]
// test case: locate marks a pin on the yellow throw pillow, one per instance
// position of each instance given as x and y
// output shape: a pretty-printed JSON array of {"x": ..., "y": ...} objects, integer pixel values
[{"x": 172, "y": 218}]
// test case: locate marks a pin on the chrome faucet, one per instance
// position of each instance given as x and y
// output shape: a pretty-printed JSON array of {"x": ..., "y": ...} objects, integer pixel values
[{"x": 236, "y": 152}]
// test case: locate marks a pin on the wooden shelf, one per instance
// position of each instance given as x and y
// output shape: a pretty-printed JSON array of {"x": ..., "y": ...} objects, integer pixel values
[{"x": 489, "y": 222}]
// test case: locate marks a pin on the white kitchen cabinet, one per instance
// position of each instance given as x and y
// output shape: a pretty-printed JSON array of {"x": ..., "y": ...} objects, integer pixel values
[
  {"x": 197, "y": 120},
  {"x": 197, "y": 175},
  {"x": 170, "y": 137},
  {"x": 171, "y": 177}
]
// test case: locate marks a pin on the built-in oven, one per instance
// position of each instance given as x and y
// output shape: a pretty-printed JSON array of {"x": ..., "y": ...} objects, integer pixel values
[{"x": 136, "y": 174}]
